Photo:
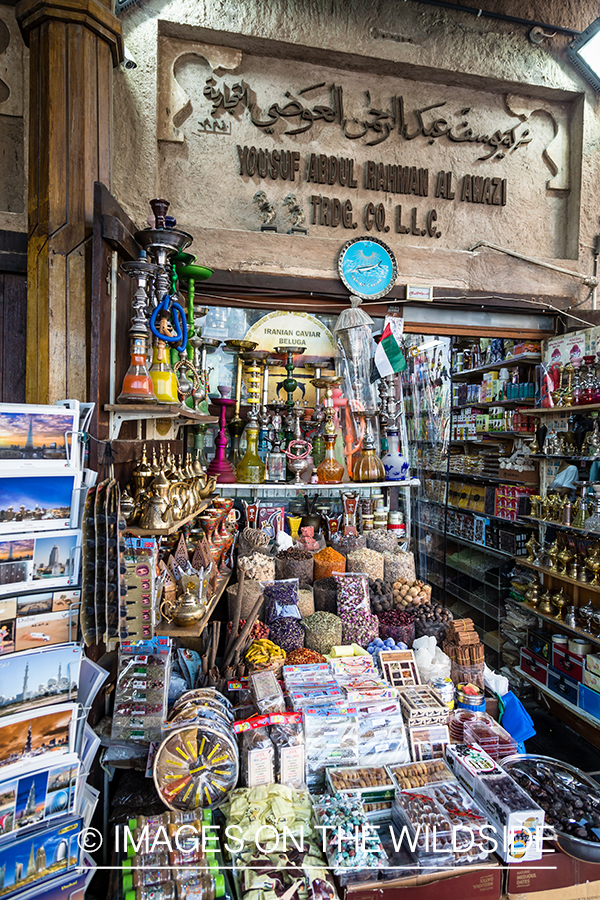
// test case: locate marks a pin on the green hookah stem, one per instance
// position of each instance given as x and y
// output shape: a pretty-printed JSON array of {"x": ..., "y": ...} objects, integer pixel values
[
  {"x": 190, "y": 315},
  {"x": 173, "y": 355}
]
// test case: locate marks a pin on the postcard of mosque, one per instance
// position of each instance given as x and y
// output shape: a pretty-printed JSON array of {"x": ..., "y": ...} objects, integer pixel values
[
  {"x": 32, "y": 858},
  {"x": 31, "y": 561},
  {"x": 38, "y": 501},
  {"x": 36, "y": 437},
  {"x": 38, "y": 677}
]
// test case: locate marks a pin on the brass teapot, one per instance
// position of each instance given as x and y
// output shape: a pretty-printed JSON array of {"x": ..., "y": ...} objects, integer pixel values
[{"x": 185, "y": 611}]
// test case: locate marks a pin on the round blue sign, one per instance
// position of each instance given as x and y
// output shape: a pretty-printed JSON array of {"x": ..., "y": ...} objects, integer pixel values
[{"x": 367, "y": 267}]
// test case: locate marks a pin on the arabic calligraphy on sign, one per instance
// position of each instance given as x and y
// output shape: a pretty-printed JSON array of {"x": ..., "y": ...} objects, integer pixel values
[{"x": 374, "y": 124}]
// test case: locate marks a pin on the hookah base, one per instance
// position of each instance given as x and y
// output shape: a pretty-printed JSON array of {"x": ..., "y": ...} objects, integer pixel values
[{"x": 224, "y": 471}]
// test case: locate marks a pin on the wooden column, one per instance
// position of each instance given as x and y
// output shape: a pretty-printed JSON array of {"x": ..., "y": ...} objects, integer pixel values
[{"x": 74, "y": 45}]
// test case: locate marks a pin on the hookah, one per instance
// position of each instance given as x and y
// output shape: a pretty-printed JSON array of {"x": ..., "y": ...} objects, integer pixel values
[
  {"x": 162, "y": 243},
  {"x": 289, "y": 385},
  {"x": 237, "y": 425},
  {"x": 251, "y": 469},
  {"x": 329, "y": 470},
  {"x": 369, "y": 467},
  {"x": 137, "y": 384},
  {"x": 186, "y": 268},
  {"x": 264, "y": 417},
  {"x": 220, "y": 465}
]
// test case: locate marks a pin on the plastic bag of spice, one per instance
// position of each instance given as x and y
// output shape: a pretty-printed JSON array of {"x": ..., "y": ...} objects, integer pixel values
[
  {"x": 287, "y": 633},
  {"x": 287, "y": 734},
  {"x": 322, "y": 632},
  {"x": 258, "y": 755},
  {"x": 281, "y": 599},
  {"x": 294, "y": 563},
  {"x": 327, "y": 562},
  {"x": 352, "y": 592}
]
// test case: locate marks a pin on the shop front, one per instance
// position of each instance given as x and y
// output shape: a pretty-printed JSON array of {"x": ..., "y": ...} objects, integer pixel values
[{"x": 291, "y": 580}]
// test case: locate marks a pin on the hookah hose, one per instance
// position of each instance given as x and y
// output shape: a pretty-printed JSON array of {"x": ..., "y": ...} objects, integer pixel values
[{"x": 166, "y": 307}]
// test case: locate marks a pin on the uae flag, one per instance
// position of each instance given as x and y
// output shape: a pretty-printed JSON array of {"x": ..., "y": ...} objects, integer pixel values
[{"x": 389, "y": 357}]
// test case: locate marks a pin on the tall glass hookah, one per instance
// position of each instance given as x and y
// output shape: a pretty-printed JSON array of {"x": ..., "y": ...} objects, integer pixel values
[
  {"x": 137, "y": 384},
  {"x": 237, "y": 425},
  {"x": 162, "y": 243},
  {"x": 251, "y": 468}
]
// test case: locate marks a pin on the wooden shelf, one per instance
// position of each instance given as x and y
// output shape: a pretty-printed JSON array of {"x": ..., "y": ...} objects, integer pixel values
[
  {"x": 492, "y": 640},
  {"x": 574, "y": 710},
  {"x": 164, "y": 532},
  {"x": 542, "y": 456},
  {"x": 593, "y": 535},
  {"x": 595, "y": 588},
  {"x": 556, "y": 623},
  {"x": 195, "y": 630},
  {"x": 526, "y": 358},
  {"x": 135, "y": 412},
  {"x": 555, "y": 410}
]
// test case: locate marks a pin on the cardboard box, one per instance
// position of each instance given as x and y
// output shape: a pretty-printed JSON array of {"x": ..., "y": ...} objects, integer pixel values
[
  {"x": 589, "y": 890},
  {"x": 592, "y": 663},
  {"x": 557, "y": 870},
  {"x": 518, "y": 831},
  {"x": 482, "y": 882},
  {"x": 539, "y": 643},
  {"x": 591, "y": 679}
]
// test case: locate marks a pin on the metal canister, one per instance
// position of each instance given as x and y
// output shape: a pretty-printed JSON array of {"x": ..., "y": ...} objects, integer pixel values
[{"x": 445, "y": 688}]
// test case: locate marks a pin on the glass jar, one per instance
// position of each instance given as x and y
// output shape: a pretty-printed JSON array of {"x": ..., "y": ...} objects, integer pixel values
[{"x": 137, "y": 384}]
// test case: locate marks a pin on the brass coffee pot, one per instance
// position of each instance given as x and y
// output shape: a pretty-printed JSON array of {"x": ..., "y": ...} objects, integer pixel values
[{"x": 157, "y": 512}]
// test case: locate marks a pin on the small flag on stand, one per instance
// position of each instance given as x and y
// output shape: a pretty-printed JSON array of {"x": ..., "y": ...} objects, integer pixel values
[{"x": 389, "y": 357}]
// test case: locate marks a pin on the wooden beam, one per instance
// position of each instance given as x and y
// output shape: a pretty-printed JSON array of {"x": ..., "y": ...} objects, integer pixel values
[{"x": 73, "y": 46}]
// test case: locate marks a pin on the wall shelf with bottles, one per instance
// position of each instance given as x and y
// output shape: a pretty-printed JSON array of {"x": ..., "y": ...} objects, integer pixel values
[
  {"x": 284, "y": 486},
  {"x": 523, "y": 359}
]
